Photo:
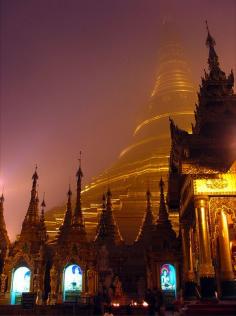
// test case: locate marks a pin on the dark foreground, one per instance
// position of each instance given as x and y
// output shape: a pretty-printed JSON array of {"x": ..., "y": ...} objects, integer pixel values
[{"x": 223, "y": 308}]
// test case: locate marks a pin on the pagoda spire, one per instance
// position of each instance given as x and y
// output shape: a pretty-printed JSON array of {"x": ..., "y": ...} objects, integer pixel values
[
  {"x": 147, "y": 225},
  {"x": 163, "y": 214},
  {"x": 213, "y": 60},
  {"x": 4, "y": 239},
  {"x": 108, "y": 231},
  {"x": 149, "y": 216},
  {"x": 101, "y": 228},
  {"x": 214, "y": 84},
  {"x": 32, "y": 215},
  {"x": 68, "y": 215},
  {"x": 43, "y": 205},
  {"x": 42, "y": 220},
  {"x": 78, "y": 220},
  {"x": 109, "y": 204}
]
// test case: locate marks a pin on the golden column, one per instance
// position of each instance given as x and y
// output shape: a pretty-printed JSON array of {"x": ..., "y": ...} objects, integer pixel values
[
  {"x": 191, "y": 271},
  {"x": 188, "y": 273},
  {"x": 201, "y": 213},
  {"x": 226, "y": 269},
  {"x": 187, "y": 252}
]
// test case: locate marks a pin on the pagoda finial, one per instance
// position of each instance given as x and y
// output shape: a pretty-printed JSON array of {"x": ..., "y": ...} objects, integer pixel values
[
  {"x": 109, "y": 204},
  {"x": 43, "y": 205},
  {"x": 103, "y": 201},
  {"x": 2, "y": 199},
  {"x": 210, "y": 40},
  {"x": 213, "y": 60},
  {"x": 78, "y": 216},
  {"x": 146, "y": 228},
  {"x": 34, "y": 185},
  {"x": 68, "y": 215},
  {"x": 32, "y": 212},
  {"x": 3, "y": 231},
  {"x": 163, "y": 215},
  {"x": 148, "y": 195}
]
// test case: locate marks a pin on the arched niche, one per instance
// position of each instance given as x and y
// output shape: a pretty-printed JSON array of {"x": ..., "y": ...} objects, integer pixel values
[
  {"x": 20, "y": 283},
  {"x": 72, "y": 283},
  {"x": 168, "y": 277}
]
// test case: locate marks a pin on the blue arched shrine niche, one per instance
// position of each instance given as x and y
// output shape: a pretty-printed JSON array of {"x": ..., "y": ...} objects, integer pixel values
[
  {"x": 72, "y": 282},
  {"x": 168, "y": 277},
  {"x": 20, "y": 283}
]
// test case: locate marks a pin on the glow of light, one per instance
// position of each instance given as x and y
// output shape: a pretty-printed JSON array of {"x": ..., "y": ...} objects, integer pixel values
[
  {"x": 147, "y": 140},
  {"x": 127, "y": 175},
  {"x": 72, "y": 280},
  {"x": 158, "y": 117},
  {"x": 21, "y": 283},
  {"x": 116, "y": 304},
  {"x": 145, "y": 304}
]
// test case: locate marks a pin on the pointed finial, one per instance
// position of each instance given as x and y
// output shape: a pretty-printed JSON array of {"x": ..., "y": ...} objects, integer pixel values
[
  {"x": 79, "y": 173},
  {"x": 109, "y": 198},
  {"x": 43, "y": 204},
  {"x": 69, "y": 193},
  {"x": 163, "y": 214},
  {"x": 148, "y": 193},
  {"x": 210, "y": 42},
  {"x": 35, "y": 175},
  {"x": 161, "y": 183},
  {"x": 2, "y": 198}
]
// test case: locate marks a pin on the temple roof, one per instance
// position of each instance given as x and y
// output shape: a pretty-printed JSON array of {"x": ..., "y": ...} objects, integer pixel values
[
  {"x": 145, "y": 232},
  {"x": 107, "y": 231},
  {"x": 215, "y": 123}
]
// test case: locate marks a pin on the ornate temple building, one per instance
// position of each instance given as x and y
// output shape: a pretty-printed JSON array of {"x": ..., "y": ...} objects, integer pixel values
[
  {"x": 200, "y": 258},
  {"x": 26, "y": 256},
  {"x": 73, "y": 257},
  {"x": 33, "y": 264},
  {"x": 145, "y": 160},
  {"x": 164, "y": 253},
  {"x": 202, "y": 185}
]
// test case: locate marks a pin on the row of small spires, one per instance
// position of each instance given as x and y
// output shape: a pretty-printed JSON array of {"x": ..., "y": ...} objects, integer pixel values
[{"x": 77, "y": 218}]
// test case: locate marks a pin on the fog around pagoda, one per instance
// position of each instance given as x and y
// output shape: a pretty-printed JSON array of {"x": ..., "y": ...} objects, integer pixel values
[{"x": 76, "y": 75}]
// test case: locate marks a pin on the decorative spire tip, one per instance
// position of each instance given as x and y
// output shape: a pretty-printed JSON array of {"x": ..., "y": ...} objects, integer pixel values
[{"x": 43, "y": 204}]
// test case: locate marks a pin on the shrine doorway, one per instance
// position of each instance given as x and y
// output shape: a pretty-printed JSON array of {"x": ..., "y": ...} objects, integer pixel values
[
  {"x": 168, "y": 282},
  {"x": 72, "y": 283},
  {"x": 20, "y": 283}
]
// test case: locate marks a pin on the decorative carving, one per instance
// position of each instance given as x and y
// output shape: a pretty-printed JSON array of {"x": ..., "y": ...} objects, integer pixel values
[
  {"x": 3, "y": 282},
  {"x": 217, "y": 184}
]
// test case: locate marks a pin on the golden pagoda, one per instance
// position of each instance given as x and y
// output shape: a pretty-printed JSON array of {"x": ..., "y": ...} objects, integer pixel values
[{"x": 145, "y": 160}]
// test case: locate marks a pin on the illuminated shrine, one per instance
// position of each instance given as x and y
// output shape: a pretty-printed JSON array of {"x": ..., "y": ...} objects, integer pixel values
[
  {"x": 202, "y": 186},
  {"x": 20, "y": 283},
  {"x": 24, "y": 266},
  {"x": 164, "y": 254},
  {"x": 73, "y": 272}
]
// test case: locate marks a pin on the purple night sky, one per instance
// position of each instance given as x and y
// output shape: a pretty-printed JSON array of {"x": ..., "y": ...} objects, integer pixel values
[{"x": 76, "y": 75}]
